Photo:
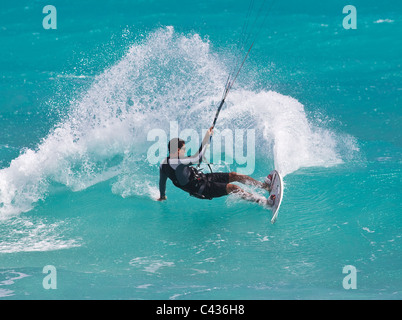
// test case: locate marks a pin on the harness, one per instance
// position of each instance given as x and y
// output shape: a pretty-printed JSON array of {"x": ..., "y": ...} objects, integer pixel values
[
  {"x": 201, "y": 182},
  {"x": 197, "y": 180}
]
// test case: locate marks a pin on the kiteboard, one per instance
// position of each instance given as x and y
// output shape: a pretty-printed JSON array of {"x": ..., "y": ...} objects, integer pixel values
[{"x": 277, "y": 190}]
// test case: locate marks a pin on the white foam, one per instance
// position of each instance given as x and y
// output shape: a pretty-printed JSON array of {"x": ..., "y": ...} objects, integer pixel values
[
  {"x": 7, "y": 278},
  {"x": 25, "y": 235},
  {"x": 150, "y": 265},
  {"x": 384, "y": 21},
  {"x": 288, "y": 137}
]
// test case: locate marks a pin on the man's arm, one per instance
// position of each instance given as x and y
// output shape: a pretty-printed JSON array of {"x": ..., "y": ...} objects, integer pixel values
[
  {"x": 162, "y": 184},
  {"x": 196, "y": 158}
]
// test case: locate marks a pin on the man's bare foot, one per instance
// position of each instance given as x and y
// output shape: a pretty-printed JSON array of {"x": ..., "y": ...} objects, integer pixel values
[{"x": 267, "y": 185}]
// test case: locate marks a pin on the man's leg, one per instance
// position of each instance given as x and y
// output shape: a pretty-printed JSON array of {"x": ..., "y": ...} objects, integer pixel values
[
  {"x": 236, "y": 177},
  {"x": 232, "y": 188}
]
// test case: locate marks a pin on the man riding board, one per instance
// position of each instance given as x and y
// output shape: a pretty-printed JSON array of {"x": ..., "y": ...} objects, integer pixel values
[{"x": 178, "y": 168}]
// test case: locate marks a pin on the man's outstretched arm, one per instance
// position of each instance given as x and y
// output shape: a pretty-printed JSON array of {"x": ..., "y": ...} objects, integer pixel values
[
  {"x": 196, "y": 158},
  {"x": 162, "y": 185}
]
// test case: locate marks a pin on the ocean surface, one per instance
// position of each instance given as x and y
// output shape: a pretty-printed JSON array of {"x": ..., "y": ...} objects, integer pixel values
[{"x": 78, "y": 181}]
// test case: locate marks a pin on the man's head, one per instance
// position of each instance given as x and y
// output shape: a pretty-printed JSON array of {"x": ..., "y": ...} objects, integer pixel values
[{"x": 177, "y": 146}]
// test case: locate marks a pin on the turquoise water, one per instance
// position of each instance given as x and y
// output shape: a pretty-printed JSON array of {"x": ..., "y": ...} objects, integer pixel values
[{"x": 77, "y": 189}]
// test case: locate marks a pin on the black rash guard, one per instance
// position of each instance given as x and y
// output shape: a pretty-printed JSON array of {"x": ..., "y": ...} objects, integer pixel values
[{"x": 182, "y": 174}]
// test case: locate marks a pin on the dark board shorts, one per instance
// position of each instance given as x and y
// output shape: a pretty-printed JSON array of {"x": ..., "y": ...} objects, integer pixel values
[{"x": 216, "y": 185}]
